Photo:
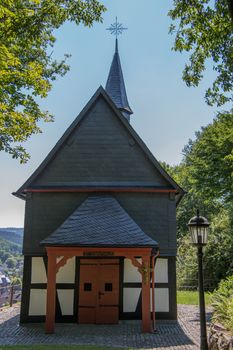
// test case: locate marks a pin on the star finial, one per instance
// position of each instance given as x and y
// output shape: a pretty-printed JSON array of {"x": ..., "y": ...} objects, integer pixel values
[{"x": 116, "y": 28}]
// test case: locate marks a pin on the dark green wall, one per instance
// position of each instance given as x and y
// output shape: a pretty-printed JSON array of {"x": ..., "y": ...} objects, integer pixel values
[{"x": 154, "y": 213}]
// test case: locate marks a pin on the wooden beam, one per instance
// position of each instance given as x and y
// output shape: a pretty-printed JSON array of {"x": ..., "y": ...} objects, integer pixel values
[
  {"x": 117, "y": 251},
  {"x": 146, "y": 314}
]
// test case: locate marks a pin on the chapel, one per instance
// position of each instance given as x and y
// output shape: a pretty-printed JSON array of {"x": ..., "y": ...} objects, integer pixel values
[{"x": 100, "y": 222}]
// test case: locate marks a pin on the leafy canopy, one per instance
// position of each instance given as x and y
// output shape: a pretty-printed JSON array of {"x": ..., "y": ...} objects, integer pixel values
[
  {"x": 210, "y": 159},
  {"x": 204, "y": 28},
  {"x": 206, "y": 172},
  {"x": 27, "y": 68}
]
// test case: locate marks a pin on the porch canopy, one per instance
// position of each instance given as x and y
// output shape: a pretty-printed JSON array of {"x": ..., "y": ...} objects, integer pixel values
[{"x": 99, "y": 227}]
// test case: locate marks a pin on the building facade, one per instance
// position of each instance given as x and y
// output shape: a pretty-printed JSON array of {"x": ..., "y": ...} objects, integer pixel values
[{"x": 100, "y": 222}]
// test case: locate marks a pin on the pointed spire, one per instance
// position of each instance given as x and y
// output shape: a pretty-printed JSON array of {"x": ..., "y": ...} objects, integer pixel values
[{"x": 115, "y": 85}]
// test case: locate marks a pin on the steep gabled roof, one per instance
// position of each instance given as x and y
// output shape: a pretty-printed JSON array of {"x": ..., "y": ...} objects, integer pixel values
[
  {"x": 115, "y": 86},
  {"x": 99, "y": 221},
  {"x": 99, "y": 93}
]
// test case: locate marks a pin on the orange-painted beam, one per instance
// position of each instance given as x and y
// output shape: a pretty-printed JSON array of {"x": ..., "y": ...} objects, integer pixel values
[
  {"x": 79, "y": 251},
  {"x": 153, "y": 289},
  {"x": 146, "y": 314}
]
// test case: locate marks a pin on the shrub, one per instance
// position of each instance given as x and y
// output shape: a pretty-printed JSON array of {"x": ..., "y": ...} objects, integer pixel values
[{"x": 222, "y": 302}]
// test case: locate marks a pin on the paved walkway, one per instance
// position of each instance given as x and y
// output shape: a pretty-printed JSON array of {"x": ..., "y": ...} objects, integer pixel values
[{"x": 171, "y": 335}]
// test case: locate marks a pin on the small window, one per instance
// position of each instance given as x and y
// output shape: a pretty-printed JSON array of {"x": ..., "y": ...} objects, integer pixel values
[
  {"x": 108, "y": 287},
  {"x": 87, "y": 287}
]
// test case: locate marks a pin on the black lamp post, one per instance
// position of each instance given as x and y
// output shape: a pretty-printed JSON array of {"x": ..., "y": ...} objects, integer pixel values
[{"x": 199, "y": 227}]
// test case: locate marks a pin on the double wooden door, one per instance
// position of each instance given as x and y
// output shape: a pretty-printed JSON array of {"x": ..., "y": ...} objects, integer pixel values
[{"x": 99, "y": 291}]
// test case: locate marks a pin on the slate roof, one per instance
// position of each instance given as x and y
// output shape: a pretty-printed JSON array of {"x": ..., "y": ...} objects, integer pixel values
[
  {"x": 115, "y": 86},
  {"x": 99, "y": 93},
  {"x": 99, "y": 221}
]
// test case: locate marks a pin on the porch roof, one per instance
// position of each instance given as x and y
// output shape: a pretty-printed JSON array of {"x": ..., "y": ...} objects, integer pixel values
[{"x": 99, "y": 221}]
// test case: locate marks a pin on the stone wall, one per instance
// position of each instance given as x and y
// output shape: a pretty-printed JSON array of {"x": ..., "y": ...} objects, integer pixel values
[{"x": 219, "y": 338}]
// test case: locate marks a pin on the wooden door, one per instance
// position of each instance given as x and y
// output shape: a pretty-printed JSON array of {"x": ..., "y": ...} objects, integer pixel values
[{"x": 99, "y": 291}]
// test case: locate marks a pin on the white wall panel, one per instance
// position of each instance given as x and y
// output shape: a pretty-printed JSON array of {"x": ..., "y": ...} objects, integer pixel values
[
  {"x": 38, "y": 272},
  {"x": 131, "y": 273},
  {"x": 66, "y": 273},
  {"x": 161, "y": 271},
  {"x": 130, "y": 299},
  {"x": 161, "y": 299},
  {"x": 66, "y": 300},
  {"x": 37, "y": 304}
]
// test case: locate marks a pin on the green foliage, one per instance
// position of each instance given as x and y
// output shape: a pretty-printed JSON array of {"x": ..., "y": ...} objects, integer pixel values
[
  {"x": 217, "y": 262},
  {"x": 204, "y": 29},
  {"x": 9, "y": 248},
  {"x": 11, "y": 263},
  {"x": 186, "y": 264},
  {"x": 206, "y": 172},
  {"x": 11, "y": 235},
  {"x": 222, "y": 302},
  {"x": 210, "y": 159},
  {"x": 191, "y": 297},
  {"x": 27, "y": 68},
  {"x": 11, "y": 257},
  {"x": 192, "y": 200},
  {"x": 16, "y": 281}
]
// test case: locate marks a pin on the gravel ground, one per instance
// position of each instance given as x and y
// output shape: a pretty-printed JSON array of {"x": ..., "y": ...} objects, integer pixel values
[{"x": 171, "y": 335}]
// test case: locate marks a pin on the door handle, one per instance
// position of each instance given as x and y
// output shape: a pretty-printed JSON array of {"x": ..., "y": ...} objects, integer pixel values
[{"x": 100, "y": 294}]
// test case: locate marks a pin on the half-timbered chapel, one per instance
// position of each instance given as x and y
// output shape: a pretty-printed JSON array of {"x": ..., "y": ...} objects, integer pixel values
[{"x": 100, "y": 222}]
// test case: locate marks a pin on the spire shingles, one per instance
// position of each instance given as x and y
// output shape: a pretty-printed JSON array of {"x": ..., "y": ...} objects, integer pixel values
[{"x": 115, "y": 86}]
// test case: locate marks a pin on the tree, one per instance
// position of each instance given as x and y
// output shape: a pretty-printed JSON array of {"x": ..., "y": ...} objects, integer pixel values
[
  {"x": 210, "y": 160},
  {"x": 206, "y": 172},
  {"x": 217, "y": 262},
  {"x": 205, "y": 30},
  {"x": 11, "y": 263},
  {"x": 4, "y": 255},
  {"x": 193, "y": 198},
  {"x": 27, "y": 68}
]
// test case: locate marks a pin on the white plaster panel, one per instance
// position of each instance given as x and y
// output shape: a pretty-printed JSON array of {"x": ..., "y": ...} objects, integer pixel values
[
  {"x": 37, "y": 304},
  {"x": 66, "y": 300},
  {"x": 66, "y": 273},
  {"x": 130, "y": 299},
  {"x": 161, "y": 299},
  {"x": 38, "y": 272},
  {"x": 131, "y": 273},
  {"x": 161, "y": 271}
]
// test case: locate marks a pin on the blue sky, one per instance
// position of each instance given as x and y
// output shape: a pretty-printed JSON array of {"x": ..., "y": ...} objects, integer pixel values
[{"x": 166, "y": 112}]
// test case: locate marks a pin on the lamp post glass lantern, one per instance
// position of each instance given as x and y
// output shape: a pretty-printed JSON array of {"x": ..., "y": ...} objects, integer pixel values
[{"x": 198, "y": 228}]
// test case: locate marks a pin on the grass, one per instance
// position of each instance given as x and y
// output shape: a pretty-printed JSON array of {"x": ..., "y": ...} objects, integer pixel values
[
  {"x": 55, "y": 347},
  {"x": 191, "y": 297}
]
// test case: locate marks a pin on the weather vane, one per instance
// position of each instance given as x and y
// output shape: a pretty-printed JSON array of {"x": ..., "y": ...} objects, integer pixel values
[{"x": 116, "y": 28}]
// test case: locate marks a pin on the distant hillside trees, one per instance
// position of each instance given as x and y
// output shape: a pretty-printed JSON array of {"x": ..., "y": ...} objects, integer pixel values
[{"x": 11, "y": 259}]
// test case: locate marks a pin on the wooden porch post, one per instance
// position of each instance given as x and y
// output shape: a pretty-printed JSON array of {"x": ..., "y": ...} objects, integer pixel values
[
  {"x": 146, "y": 314},
  {"x": 51, "y": 294}
]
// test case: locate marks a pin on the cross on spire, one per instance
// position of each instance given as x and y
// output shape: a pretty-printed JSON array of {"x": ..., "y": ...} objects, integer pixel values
[
  {"x": 115, "y": 86},
  {"x": 116, "y": 28}
]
